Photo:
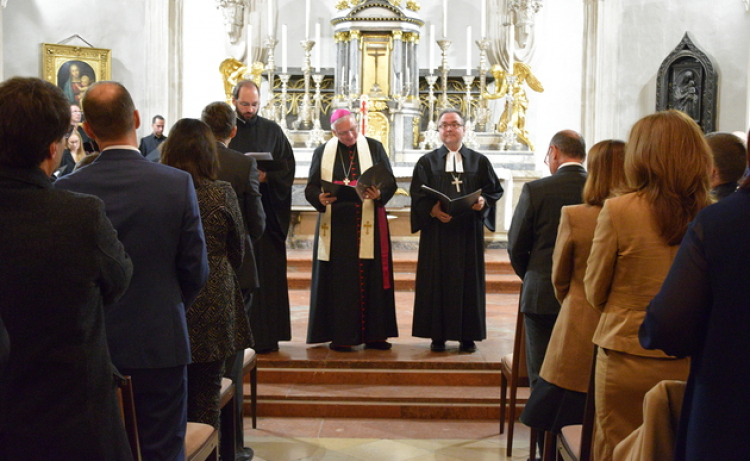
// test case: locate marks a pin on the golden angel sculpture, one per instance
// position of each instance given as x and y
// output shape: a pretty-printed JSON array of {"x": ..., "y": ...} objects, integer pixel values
[
  {"x": 232, "y": 71},
  {"x": 517, "y": 116}
]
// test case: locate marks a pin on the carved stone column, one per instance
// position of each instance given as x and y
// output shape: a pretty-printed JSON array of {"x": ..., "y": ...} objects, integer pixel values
[{"x": 600, "y": 34}]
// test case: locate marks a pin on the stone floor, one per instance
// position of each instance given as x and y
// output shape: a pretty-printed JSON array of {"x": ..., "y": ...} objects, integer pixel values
[{"x": 380, "y": 439}]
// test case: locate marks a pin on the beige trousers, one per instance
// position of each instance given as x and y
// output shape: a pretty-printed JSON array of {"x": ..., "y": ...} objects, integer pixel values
[{"x": 622, "y": 381}]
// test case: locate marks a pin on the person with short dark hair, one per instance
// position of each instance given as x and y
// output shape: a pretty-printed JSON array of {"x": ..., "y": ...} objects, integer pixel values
[
  {"x": 155, "y": 211},
  {"x": 241, "y": 172},
  {"x": 151, "y": 142},
  {"x": 269, "y": 318},
  {"x": 450, "y": 294},
  {"x": 532, "y": 235},
  {"x": 729, "y": 163},
  {"x": 63, "y": 269}
]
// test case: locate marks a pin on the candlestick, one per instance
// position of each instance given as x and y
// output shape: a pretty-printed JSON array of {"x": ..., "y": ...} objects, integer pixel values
[
  {"x": 283, "y": 49},
  {"x": 282, "y": 106},
  {"x": 444, "y": 45},
  {"x": 317, "y": 135},
  {"x": 270, "y": 108},
  {"x": 304, "y": 120},
  {"x": 468, "y": 50},
  {"x": 431, "y": 39},
  {"x": 482, "y": 114}
]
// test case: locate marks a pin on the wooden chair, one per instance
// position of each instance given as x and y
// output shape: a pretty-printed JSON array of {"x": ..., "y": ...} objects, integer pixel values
[
  {"x": 574, "y": 442},
  {"x": 250, "y": 365},
  {"x": 127, "y": 409},
  {"x": 201, "y": 442},
  {"x": 514, "y": 373},
  {"x": 228, "y": 420}
]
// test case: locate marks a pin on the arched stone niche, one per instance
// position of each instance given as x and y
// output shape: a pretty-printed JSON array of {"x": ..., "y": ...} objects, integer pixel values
[{"x": 688, "y": 81}]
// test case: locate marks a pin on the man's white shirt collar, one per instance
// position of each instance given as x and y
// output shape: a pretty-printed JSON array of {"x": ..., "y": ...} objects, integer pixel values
[{"x": 454, "y": 158}]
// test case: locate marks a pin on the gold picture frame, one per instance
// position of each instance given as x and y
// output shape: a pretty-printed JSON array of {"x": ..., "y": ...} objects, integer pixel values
[{"x": 75, "y": 68}]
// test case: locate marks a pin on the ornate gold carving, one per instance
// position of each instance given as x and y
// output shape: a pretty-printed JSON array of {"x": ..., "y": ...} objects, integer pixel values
[
  {"x": 517, "y": 116},
  {"x": 415, "y": 130},
  {"x": 355, "y": 2},
  {"x": 412, "y": 37},
  {"x": 378, "y": 127},
  {"x": 341, "y": 37},
  {"x": 377, "y": 105},
  {"x": 342, "y": 5},
  {"x": 395, "y": 2},
  {"x": 397, "y": 35},
  {"x": 257, "y": 72},
  {"x": 232, "y": 71},
  {"x": 355, "y": 35},
  {"x": 412, "y": 5}
]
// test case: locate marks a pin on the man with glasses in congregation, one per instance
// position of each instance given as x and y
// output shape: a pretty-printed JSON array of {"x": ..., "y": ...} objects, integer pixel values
[{"x": 449, "y": 302}]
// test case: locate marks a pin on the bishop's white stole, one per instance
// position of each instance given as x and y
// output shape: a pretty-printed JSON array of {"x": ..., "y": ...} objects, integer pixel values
[{"x": 367, "y": 238}]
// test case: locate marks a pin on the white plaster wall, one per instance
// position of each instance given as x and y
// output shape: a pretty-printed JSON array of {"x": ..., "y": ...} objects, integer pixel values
[
  {"x": 650, "y": 30},
  {"x": 113, "y": 24}
]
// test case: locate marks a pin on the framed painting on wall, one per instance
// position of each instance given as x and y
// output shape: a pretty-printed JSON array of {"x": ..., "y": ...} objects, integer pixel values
[{"x": 74, "y": 68}]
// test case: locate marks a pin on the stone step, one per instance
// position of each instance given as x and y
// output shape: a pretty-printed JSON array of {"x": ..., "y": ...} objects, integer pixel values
[{"x": 500, "y": 277}]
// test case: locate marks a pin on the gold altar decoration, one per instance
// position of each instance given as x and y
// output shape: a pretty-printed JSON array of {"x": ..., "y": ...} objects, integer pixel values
[
  {"x": 256, "y": 72},
  {"x": 517, "y": 116},
  {"x": 410, "y": 4},
  {"x": 376, "y": 58},
  {"x": 415, "y": 131},
  {"x": 232, "y": 71},
  {"x": 378, "y": 127}
]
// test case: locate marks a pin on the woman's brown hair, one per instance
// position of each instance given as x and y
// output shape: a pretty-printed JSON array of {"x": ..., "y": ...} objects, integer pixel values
[
  {"x": 191, "y": 147},
  {"x": 667, "y": 161},
  {"x": 606, "y": 171}
]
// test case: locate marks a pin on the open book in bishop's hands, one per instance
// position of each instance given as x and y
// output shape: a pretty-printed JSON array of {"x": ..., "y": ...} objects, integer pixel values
[
  {"x": 376, "y": 176},
  {"x": 456, "y": 205}
]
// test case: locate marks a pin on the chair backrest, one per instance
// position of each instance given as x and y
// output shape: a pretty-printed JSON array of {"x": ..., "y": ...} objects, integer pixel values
[{"x": 127, "y": 409}]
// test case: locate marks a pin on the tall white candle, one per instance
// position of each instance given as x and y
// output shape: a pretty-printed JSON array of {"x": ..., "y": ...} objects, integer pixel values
[
  {"x": 249, "y": 44},
  {"x": 431, "y": 39},
  {"x": 283, "y": 49},
  {"x": 445, "y": 18},
  {"x": 468, "y": 50},
  {"x": 307, "y": 19},
  {"x": 511, "y": 45},
  {"x": 483, "y": 20},
  {"x": 270, "y": 18},
  {"x": 320, "y": 49}
]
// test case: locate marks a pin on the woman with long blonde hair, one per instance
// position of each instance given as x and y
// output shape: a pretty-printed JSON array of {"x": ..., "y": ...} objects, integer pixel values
[{"x": 667, "y": 162}]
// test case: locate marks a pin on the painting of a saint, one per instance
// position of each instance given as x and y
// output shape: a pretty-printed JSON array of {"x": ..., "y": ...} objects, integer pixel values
[{"x": 75, "y": 77}]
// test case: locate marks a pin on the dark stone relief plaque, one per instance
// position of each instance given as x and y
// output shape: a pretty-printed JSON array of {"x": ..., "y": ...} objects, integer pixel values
[{"x": 688, "y": 81}]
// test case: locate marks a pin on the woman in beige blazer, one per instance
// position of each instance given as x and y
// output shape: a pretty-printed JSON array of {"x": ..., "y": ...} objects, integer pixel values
[
  {"x": 559, "y": 397},
  {"x": 667, "y": 162}
]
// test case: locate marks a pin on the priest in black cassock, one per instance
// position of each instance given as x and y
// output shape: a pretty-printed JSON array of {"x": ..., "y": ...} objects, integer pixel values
[
  {"x": 449, "y": 301},
  {"x": 351, "y": 298},
  {"x": 269, "y": 310}
]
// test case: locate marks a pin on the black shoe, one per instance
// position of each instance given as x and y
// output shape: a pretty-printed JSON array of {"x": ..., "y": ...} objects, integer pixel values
[
  {"x": 379, "y": 345},
  {"x": 336, "y": 347},
  {"x": 468, "y": 346},
  {"x": 244, "y": 454},
  {"x": 267, "y": 350},
  {"x": 437, "y": 346}
]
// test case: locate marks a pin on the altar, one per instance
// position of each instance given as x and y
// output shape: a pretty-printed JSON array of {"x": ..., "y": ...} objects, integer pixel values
[{"x": 377, "y": 77}]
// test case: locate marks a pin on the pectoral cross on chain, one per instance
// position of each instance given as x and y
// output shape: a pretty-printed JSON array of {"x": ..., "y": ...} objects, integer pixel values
[
  {"x": 457, "y": 182},
  {"x": 325, "y": 228},
  {"x": 367, "y": 227}
]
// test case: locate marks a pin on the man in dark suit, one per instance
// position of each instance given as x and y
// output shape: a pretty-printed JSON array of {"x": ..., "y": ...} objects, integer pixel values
[
  {"x": 151, "y": 142},
  {"x": 241, "y": 172},
  {"x": 155, "y": 211},
  {"x": 61, "y": 266},
  {"x": 532, "y": 235}
]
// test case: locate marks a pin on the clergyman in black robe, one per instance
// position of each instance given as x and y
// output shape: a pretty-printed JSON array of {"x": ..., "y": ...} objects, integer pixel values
[
  {"x": 352, "y": 296},
  {"x": 449, "y": 301},
  {"x": 269, "y": 313}
]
